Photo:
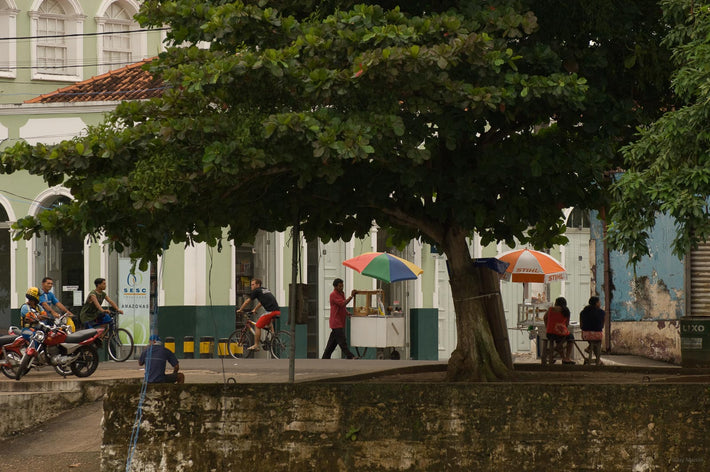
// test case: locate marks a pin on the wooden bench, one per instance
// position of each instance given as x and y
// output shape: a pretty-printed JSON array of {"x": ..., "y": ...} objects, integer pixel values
[
  {"x": 550, "y": 350},
  {"x": 590, "y": 359}
]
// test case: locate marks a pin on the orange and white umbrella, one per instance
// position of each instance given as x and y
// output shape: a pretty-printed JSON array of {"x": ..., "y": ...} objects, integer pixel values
[{"x": 527, "y": 265}]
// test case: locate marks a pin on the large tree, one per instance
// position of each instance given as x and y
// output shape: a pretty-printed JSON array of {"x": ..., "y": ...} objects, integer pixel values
[
  {"x": 436, "y": 119},
  {"x": 667, "y": 169}
]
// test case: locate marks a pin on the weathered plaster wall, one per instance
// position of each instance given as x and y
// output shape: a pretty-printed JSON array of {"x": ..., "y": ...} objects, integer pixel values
[
  {"x": 645, "y": 304},
  {"x": 658, "y": 340},
  {"x": 410, "y": 427}
]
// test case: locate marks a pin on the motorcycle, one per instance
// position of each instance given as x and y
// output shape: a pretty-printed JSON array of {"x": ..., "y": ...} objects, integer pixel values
[
  {"x": 52, "y": 345},
  {"x": 12, "y": 334}
]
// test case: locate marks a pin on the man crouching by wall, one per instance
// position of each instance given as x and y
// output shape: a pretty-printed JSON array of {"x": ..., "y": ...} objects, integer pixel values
[{"x": 159, "y": 355}]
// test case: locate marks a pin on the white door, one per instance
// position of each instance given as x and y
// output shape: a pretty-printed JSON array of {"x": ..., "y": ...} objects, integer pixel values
[
  {"x": 577, "y": 263},
  {"x": 331, "y": 267},
  {"x": 577, "y": 285},
  {"x": 447, "y": 314},
  {"x": 48, "y": 260}
]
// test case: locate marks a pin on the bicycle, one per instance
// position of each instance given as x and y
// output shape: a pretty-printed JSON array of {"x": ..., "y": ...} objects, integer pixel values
[
  {"x": 119, "y": 341},
  {"x": 238, "y": 343}
]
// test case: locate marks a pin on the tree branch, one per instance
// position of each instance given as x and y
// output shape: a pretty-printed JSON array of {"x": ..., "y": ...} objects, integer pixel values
[{"x": 424, "y": 225}]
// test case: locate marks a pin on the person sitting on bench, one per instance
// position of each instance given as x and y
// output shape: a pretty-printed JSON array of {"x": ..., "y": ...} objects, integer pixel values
[
  {"x": 556, "y": 325},
  {"x": 591, "y": 320}
]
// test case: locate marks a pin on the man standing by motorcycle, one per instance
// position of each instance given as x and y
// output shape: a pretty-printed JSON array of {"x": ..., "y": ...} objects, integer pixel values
[
  {"x": 48, "y": 300},
  {"x": 31, "y": 312}
]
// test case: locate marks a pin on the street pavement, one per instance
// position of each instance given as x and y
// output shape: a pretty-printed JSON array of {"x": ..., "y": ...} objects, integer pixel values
[
  {"x": 229, "y": 370},
  {"x": 243, "y": 370}
]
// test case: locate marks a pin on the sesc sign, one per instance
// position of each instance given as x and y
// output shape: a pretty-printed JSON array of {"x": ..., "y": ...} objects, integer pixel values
[{"x": 134, "y": 300}]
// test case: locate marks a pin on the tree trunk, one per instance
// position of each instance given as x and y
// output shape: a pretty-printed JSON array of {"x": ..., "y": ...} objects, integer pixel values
[{"x": 476, "y": 301}]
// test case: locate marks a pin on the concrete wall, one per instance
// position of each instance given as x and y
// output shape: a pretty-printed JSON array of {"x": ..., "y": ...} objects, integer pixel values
[
  {"x": 410, "y": 427},
  {"x": 26, "y": 404}
]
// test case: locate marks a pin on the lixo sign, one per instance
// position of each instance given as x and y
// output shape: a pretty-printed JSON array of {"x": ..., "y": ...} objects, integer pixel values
[
  {"x": 695, "y": 341},
  {"x": 692, "y": 328}
]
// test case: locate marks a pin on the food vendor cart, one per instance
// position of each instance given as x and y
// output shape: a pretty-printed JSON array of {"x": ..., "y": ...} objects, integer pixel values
[{"x": 371, "y": 326}]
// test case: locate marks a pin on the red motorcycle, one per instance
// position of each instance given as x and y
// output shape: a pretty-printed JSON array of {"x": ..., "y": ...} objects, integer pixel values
[
  {"x": 52, "y": 345},
  {"x": 12, "y": 334}
]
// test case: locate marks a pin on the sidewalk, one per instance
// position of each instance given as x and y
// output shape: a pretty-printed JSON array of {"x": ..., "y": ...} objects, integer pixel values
[
  {"x": 617, "y": 360},
  {"x": 229, "y": 370},
  {"x": 232, "y": 370}
]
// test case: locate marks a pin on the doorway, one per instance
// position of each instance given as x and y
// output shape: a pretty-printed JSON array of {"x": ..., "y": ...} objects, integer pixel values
[
  {"x": 60, "y": 257},
  {"x": 578, "y": 262},
  {"x": 5, "y": 275}
]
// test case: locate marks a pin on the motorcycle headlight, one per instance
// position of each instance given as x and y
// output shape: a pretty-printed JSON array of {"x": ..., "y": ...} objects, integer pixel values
[{"x": 39, "y": 336}]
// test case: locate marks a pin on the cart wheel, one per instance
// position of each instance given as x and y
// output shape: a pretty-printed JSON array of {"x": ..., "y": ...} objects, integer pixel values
[
  {"x": 394, "y": 355},
  {"x": 380, "y": 354}
]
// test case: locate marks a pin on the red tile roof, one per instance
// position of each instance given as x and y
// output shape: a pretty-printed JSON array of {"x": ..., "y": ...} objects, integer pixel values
[{"x": 127, "y": 83}]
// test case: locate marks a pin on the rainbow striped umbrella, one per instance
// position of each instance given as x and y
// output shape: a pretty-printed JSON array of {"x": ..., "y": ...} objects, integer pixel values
[{"x": 383, "y": 266}]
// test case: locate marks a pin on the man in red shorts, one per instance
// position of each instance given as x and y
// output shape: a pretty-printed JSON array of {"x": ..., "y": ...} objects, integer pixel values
[{"x": 268, "y": 301}]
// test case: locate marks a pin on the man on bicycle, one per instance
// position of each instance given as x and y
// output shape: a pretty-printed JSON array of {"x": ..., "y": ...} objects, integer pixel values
[
  {"x": 92, "y": 313},
  {"x": 268, "y": 301}
]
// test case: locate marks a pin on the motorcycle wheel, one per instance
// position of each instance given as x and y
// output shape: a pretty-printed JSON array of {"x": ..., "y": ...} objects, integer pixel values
[
  {"x": 86, "y": 363},
  {"x": 10, "y": 372}
]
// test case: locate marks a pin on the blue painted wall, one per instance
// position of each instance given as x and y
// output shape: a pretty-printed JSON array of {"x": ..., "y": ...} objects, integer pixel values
[{"x": 656, "y": 291}]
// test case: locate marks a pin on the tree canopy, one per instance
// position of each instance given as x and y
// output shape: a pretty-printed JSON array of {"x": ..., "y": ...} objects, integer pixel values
[
  {"x": 667, "y": 169},
  {"x": 434, "y": 119}
]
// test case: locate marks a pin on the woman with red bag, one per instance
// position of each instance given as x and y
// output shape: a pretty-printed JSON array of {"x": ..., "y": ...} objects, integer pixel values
[{"x": 556, "y": 325}]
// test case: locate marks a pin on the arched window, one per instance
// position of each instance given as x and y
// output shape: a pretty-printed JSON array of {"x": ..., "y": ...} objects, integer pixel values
[
  {"x": 122, "y": 45},
  {"x": 578, "y": 219},
  {"x": 8, "y": 24},
  {"x": 56, "y": 26}
]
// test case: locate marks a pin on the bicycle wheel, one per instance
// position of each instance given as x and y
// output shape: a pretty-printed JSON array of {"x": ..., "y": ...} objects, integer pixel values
[
  {"x": 238, "y": 342},
  {"x": 120, "y": 345},
  {"x": 281, "y": 345}
]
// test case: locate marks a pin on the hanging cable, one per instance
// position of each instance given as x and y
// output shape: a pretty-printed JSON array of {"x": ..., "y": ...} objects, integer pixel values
[
  {"x": 79, "y": 35},
  {"x": 133, "y": 443},
  {"x": 75, "y": 65},
  {"x": 22, "y": 199}
]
